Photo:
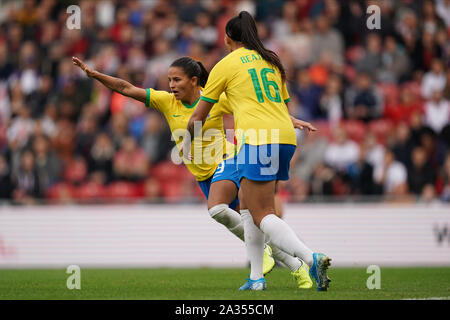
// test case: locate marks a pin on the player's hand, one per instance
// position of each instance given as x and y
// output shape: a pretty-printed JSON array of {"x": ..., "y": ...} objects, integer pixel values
[
  {"x": 300, "y": 124},
  {"x": 89, "y": 72},
  {"x": 186, "y": 152}
]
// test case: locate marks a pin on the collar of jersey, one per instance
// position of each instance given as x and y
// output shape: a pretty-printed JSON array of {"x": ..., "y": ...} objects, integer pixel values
[{"x": 192, "y": 105}]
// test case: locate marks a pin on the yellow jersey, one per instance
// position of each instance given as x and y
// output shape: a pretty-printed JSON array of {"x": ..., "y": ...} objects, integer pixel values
[
  {"x": 207, "y": 152},
  {"x": 257, "y": 96}
]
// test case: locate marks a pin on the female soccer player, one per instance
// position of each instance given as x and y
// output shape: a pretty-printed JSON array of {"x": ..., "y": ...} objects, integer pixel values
[
  {"x": 253, "y": 79},
  {"x": 218, "y": 179}
]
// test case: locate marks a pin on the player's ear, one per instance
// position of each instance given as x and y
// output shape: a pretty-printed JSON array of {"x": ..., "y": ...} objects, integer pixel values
[
  {"x": 226, "y": 40},
  {"x": 194, "y": 81}
]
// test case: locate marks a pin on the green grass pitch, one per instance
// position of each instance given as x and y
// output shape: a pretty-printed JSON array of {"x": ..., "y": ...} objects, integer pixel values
[{"x": 206, "y": 283}]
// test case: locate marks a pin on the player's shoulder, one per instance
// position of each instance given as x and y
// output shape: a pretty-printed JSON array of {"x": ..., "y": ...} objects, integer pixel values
[
  {"x": 160, "y": 99},
  {"x": 231, "y": 60},
  {"x": 161, "y": 96}
]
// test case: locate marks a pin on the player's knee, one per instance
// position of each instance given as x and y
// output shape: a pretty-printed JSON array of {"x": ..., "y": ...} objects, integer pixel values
[{"x": 220, "y": 213}]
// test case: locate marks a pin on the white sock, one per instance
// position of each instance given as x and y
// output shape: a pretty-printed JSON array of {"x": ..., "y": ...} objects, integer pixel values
[
  {"x": 292, "y": 263},
  {"x": 229, "y": 218},
  {"x": 282, "y": 236},
  {"x": 254, "y": 243}
]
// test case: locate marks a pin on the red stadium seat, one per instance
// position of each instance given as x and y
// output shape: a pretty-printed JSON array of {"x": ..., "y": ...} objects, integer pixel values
[
  {"x": 91, "y": 191},
  {"x": 391, "y": 92},
  {"x": 123, "y": 191},
  {"x": 323, "y": 129},
  {"x": 354, "y": 53},
  {"x": 355, "y": 129},
  {"x": 75, "y": 171},
  {"x": 172, "y": 191},
  {"x": 415, "y": 88},
  {"x": 167, "y": 170},
  {"x": 381, "y": 128},
  {"x": 61, "y": 193}
]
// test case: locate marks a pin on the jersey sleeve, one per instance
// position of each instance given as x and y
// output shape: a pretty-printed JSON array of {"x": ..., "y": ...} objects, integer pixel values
[
  {"x": 284, "y": 93},
  {"x": 223, "y": 105},
  {"x": 217, "y": 83},
  {"x": 157, "y": 99}
]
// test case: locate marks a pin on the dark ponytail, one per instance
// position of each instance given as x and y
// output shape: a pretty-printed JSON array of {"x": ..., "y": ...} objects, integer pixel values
[
  {"x": 242, "y": 28},
  {"x": 192, "y": 68}
]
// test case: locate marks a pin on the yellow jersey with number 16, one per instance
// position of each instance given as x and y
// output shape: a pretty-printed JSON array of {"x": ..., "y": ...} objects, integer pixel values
[{"x": 257, "y": 96}]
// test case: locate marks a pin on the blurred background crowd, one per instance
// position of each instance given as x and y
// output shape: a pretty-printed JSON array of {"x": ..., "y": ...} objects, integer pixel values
[{"x": 380, "y": 98}]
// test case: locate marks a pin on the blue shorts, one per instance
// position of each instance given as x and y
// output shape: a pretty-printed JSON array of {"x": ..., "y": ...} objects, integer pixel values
[
  {"x": 266, "y": 162},
  {"x": 226, "y": 170}
]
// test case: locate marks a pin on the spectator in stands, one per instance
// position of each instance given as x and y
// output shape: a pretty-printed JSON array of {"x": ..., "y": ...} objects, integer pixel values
[
  {"x": 5, "y": 179},
  {"x": 420, "y": 174},
  {"x": 428, "y": 140},
  {"x": 434, "y": 80},
  {"x": 437, "y": 112},
  {"x": 306, "y": 158},
  {"x": 101, "y": 156},
  {"x": 308, "y": 95},
  {"x": 86, "y": 131},
  {"x": 342, "y": 152},
  {"x": 363, "y": 101},
  {"x": 26, "y": 180},
  {"x": 392, "y": 175},
  {"x": 402, "y": 111},
  {"x": 374, "y": 151},
  {"x": 6, "y": 67},
  {"x": 152, "y": 190},
  {"x": 321, "y": 181},
  {"x": 48, "y": 120},
  {"x": 327, "y": 40},
  {"x": 21, "y": 129},
  {"x": 447, "y": 85},
  {"x": 444, "y": 178},
  {"x": 155, "y": 141},
  {"x": 294, "y": 35},
  {"x": 204, "y": 31},
  {"x": 130, "y": 162},
  {"x": 118, "y": 128},
  {"x": 47, "y": 164},
  {"x": 64, "y": 138},
  {"x": 298, "y": 189},
  {"x": 431, "y": 22},
  {"x": 395, "y": 64},
  {"x": 403, "y": 144},
  {"x": 361, "y": 175},
  {"x": 330, "y": 104},
  {"x": 443, "y": 11},
  {"x": 371, "y": 62},
  {"x": 38, "y": 99}
]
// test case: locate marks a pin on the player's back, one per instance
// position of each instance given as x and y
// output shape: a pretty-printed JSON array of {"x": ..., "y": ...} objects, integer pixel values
[{"x": 256, "y": 94}]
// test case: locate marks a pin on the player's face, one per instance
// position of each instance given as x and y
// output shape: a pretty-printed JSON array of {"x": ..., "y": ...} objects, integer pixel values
[{"x": 180, "y": 84}]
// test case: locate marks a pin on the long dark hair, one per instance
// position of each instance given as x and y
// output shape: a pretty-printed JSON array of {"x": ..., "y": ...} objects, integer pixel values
[
  {"x": 192, "y": 68},
  {"x": 242, "y": 28}
]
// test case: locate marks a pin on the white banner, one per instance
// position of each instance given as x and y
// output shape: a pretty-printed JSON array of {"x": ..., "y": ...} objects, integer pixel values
[{"x": 185, "y": 236}]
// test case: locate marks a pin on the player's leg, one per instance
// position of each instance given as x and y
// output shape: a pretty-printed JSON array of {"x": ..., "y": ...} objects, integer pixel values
[
  {"x": 278, "y": 202},
  {"x": 299, "y": 269},
  {"x": 254, "y": 242},
  {"x": 221, "y": 194},
  {"x": 223, "y": 203},
  {"x": 259, "y": 197}
]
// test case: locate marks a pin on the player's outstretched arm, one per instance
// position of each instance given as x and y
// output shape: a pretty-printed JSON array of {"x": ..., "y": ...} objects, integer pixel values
[{"x": 115, "y": 84}]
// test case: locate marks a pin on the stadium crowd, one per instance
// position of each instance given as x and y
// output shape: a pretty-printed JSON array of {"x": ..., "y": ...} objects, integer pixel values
[{"x": 380, "y": 98}]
